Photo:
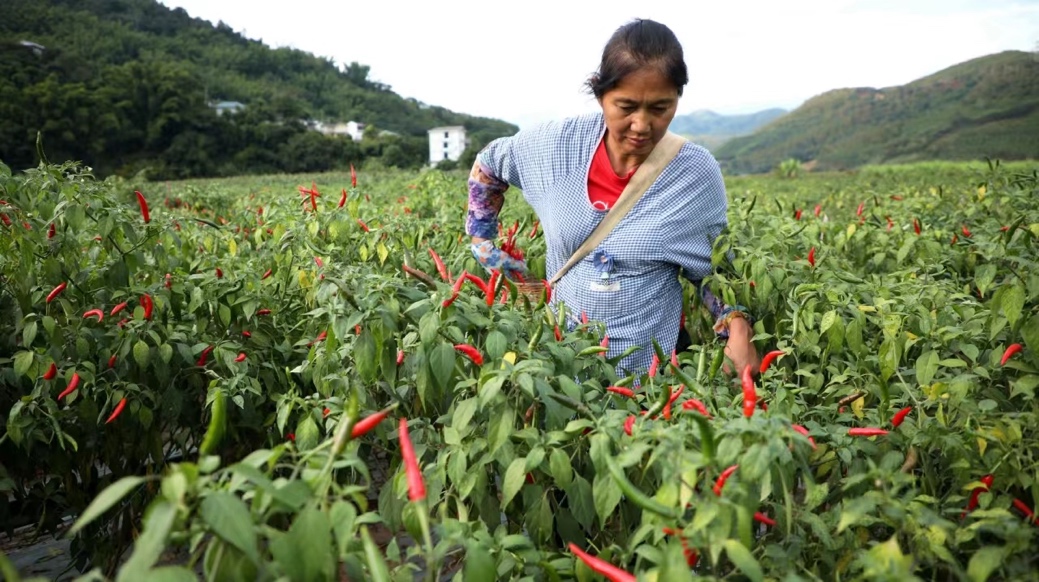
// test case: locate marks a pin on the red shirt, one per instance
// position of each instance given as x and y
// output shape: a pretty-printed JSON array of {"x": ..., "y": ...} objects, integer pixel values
[{"x": 604, "y": 185}]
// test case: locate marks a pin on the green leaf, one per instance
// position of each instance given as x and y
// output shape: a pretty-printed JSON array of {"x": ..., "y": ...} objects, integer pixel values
[
  {"x": 365, "y": 359},
  {"x": 224, "y": 312},
  {"x": 307, "y": 433},
  {"x": 984, "y": 562},
  {"x": 513, "y": 480},
  {"x": 376, "y": 563},
  {"x": 104, "y": 501},
  {"x": 148, "y": 547},
  {"x": 889, "y": 358},
  {"x": 743, "y": 559},
  {"x": 141, "y": 354},
  {"x": 1030, "y": 333},
  {"x": 560, "y": 468},
  {"x": 926, "y": 367},
  {"x": 230, "y": 520},
  {"x": 22, "y": 363},
  {"x": 165, "y": 353},
  {"x": 442, "y": 364},
  {"x": 171, "y": 574},
  {"x": 496, "y": 344},
  {"x": 606, "y": 495},
  {"x": 1013, "y": 302},
  {"x": 29, "y": 334},
  {"x": 479, "y": 565},
  {"x": 984, "y": 275},
  {"x": 305, "y": 551},
  {"x": 827, "y": 322}
]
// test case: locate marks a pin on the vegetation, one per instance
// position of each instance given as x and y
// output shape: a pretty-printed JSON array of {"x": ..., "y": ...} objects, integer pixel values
[
  {"x": 127, "y": 85},
  {"x": 263, "y": 318},
  {"x": 711, "y": 129},
  {"x": 984, "y": 107}
]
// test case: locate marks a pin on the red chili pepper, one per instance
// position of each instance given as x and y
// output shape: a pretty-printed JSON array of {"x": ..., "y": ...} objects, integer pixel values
[
  {"x": 326, "y": 412},
  {"x": 117, "y": 309},
  {"x": 263, "y": 312},
  {"x": 366, "y": 424},
  {"x": 416, "y": 486},
  {"x": 965, "y": 231},
  {"x": 146, "y": 303},
  {"x": 51, "y": 231},
  {"x": 691, "y": 555},
  {"x": 246, "y": 333},
  {"x": 609, "y": 571},
  {"x": 5, "y": 219},
  {"x": 803, "y": 431},
  {"x": 811, "y": 257},
  {"x": 266, "y": 274},
  {"x": 95, "y": 313},
  {"x": 866, "y": 432},
  {"x": 818, "y": 209},
  {"x": 144, "y": 207},
  {"x": 169, "y": 281},
  {"x": 123, "y": 322},
  {"x": 400, "y": 357},
  {"x": 762, "y": 518},
  {"x": 890, "y": 223},
  {"x": 769, "y": 358},
  {"x": 476, "y": 281},
  {"x": 557, "y": 333},
  {"x": 797, "y": 214},
  {"x": 584, "y": 318},
  {"x": 674, "y": 359},
  {"x": 73, "y": 384},
  {"x": 896, "y": 197},
  {"x": 51, "y": 372},
  {"x": 900, "y": 416},
  {"x": 916, "y": 226},
  {"x": 118, "y": 410},
  {"x": 626, "y": 392},
  {"x": 750, "y": 394},
  {"x": 441, "y": 267},
  {"x": 364, "y": 226},
  {"x": 219, "y": 273},
  {"x": 455, "y": 289},
  {"x": 654, "y": 363},
  {"x": 204, "y": 356},
  {"x": 972, "y": 502},
  {"x": 55, "y": 292},
  {"x": 720, "y": 483},
  {"x": 353, "y": 176},
  {"x": 342, "y": 199},
  {"x": 1011, "y": 350},
  {"x": 862, "y": 206},
  {"x": 111, "y": 361},
  {"x": 628, "y": 424},
  {"x": 698, "y": 406},
  {"x": 320, "y": 337},
  {"x": 471, "y": 352},
  {"x": 605, "y": 343},
  {"x": 534, "y": 231},
  {"x": 1023, "y": 508},
  {"x": 492, "y": 282},
  {"x": 319, "y": 262},
  {"x": 357, "y": 329},
  {"x": 241, "y": 357},
  {"x": 291, "y": 436},
  {"x": 548, "y": 290}
]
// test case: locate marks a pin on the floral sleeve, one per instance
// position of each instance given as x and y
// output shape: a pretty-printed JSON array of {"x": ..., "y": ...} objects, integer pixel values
[
  {"x": 486, "y": 196},
  {"x": 720, "y": 311}
]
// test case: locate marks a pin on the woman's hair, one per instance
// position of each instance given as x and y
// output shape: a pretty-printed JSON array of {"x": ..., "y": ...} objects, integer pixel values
[{"x": 636, "y": 45}]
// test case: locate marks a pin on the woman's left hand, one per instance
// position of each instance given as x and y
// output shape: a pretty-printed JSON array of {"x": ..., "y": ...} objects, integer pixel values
[{"x": 740, "y": 349}]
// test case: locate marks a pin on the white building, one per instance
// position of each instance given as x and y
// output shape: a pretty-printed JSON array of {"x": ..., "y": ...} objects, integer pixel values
[
  {"x": 354, "y": 129},
  {"x": 447, "y": 143}
]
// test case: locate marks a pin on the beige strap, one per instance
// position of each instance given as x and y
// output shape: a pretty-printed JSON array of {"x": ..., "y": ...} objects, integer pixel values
[{"x": 647, "y": 173}]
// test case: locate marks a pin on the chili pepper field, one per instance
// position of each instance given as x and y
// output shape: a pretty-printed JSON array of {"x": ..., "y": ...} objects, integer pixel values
[{"x": 193, "y": 372}]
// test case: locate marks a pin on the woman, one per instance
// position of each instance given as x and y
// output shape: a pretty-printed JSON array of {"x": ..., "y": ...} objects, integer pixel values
[{"x": 573, "y": 171}]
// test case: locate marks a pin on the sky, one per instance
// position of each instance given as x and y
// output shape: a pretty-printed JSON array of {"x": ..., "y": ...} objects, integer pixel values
[{"x": 528, "y": 65}]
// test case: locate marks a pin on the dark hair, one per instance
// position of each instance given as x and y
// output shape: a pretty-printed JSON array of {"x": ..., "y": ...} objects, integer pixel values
[{"x": 639, "y": 43}]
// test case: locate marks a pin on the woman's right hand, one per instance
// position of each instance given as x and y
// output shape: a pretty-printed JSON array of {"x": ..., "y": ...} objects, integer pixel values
[{"x": 491, "y": 257}]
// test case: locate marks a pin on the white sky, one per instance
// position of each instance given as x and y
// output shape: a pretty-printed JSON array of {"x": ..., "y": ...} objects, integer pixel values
[{"x": 527, "y": 65}]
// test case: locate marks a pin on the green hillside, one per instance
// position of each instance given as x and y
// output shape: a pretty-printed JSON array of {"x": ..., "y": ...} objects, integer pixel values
[
  {"x": 709, "y": 123},
  {"x": 983, "y": 107},
  {"x": 125, "y": 85}
]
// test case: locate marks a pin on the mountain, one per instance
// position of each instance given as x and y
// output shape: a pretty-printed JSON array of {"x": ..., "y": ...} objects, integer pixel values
[
  {"x": 987, "y": 106},
  {"x": 709, "y": 123},
  {"x": 126, "y": 85}
]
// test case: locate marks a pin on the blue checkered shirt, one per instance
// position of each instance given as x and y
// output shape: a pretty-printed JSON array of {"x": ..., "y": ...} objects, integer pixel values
[{"x": 631, "y": 281}]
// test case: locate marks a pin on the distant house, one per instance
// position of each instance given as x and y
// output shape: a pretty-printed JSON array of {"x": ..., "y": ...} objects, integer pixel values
[
  {"x": 36, "y": 48},
  {"x": 447, "y": 143},
  {"x": 223, "y": 107},
  {"x": 354, "y": 129}
]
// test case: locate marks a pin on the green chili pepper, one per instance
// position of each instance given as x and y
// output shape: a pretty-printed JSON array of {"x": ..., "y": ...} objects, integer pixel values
[
  {"x": 665, "y": 396},
  {"x": 376, "y": 565},
  {"x": 701, "y": 366},
  {"x": 573, "y": 405},
  {"x": 660, "y": 351},
  {"x": 592, "y": 350},
  {"x": 635, "y": 494},
  {"x": 534, "y": 339},
  {"x": 706, "y": 435},
  {"x": 716, "y": 364}
]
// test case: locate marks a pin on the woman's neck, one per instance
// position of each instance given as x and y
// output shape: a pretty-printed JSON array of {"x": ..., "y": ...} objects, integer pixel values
[{"x": 622, "y": 164}]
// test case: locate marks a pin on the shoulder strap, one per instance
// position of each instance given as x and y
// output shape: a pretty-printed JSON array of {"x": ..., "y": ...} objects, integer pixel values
[{"x": 647, "y": 173}]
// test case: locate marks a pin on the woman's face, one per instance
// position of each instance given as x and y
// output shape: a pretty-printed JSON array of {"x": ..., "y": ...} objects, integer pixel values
[{"x": 638, "y": 111}]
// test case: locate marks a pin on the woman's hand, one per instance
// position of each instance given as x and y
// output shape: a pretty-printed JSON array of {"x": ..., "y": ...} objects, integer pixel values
[
  {"x": 739, "y": 349},
  {"x": 491, "y": 257}
]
